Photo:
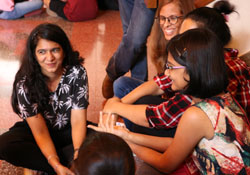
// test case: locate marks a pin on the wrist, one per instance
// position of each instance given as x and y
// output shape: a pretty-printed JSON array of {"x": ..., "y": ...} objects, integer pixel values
[
  {"x": 75, "y": 155},
  {"x": 127, "y": 135},
  {"x": 51, "y": 157},
  {"x": 76, "y": 150},
  {"x": 53, "y": 160}
]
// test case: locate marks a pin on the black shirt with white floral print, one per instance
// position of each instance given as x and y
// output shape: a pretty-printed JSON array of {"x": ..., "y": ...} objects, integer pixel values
[{"x": 71, "y": 93}]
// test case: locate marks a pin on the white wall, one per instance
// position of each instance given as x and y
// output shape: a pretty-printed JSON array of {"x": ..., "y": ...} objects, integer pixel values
[{"x": 239, "y": 24}]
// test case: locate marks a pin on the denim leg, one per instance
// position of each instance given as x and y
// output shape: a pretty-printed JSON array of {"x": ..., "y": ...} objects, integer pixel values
[
  {"x": 124, "y": 85},
  {"x": 125, "y": 9},
  {"x": 132, "y": 48},
  {"x": 140, "y": 68},
  {"x": 21, "y": 9}
]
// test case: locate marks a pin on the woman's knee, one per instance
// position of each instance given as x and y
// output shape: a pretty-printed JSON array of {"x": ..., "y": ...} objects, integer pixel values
[{"x": 120, "y": 86}]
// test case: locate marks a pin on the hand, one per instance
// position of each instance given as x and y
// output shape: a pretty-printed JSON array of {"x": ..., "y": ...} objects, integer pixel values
[
  {"x": 110, "y": 104},
  {"x": 62, "y": 170},
  {"x": 109, "y": 126},
  {"x": 105, "y": 118}
]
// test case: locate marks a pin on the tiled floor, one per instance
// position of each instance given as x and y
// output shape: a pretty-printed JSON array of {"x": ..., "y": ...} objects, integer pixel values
[{"x": 96, "y": 40}]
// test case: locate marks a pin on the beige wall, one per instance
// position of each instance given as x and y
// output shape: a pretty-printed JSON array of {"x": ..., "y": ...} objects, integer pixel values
[{"x": 239, "y": 24}]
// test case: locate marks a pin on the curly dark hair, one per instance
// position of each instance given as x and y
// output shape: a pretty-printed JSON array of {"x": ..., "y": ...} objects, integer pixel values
[{"x": 35, "y": 80}]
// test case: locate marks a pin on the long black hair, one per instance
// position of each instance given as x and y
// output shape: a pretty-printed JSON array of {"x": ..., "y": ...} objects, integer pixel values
[
  {"x": 214, "y": 19},
  {"x": 30, "y": 70},
  {"x": 201, "y": 52}
]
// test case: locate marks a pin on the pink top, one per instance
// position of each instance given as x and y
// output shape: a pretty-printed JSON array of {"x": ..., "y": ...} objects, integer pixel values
[{"x": 7, "y": 5}]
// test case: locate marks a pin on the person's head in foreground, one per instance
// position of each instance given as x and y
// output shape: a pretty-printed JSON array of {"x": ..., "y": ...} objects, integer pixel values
[{"x": 104, "y": 154}]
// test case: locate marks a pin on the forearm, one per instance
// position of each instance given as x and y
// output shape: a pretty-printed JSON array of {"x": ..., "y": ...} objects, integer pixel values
[
  {"x": 151, "y": 157},
  {"x": 48, "y": 149},
  {"x": 45, "y": 143},
  {"x": 78, "y": 134},
  {"x": 147, "y": 88},
  {"x": 134, "y": 113},
  {"x": 79, "y": 129},
  {"x": 157, "y": 143}
]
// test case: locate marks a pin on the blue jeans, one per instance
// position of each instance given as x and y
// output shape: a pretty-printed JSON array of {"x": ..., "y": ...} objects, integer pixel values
[
  {"x": 131, "y": 54},
  {"x": 123, "y": 86},
  {"x": 21, "y": 9}
]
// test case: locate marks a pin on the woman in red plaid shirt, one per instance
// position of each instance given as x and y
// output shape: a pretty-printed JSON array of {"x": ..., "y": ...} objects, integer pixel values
[
  {"x": 214, "y": 129},
  {"x": 167, "y": 114}
]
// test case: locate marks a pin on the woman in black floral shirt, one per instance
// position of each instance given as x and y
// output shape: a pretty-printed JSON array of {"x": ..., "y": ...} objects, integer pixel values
[{"x": 50, "y": 94}]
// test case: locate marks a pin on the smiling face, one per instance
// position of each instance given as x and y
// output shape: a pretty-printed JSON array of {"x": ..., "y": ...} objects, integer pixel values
[
  {"x": 50, "y": 56},
  {"x": 170, "y": 30},
  {"x": 178, "y": 75}
]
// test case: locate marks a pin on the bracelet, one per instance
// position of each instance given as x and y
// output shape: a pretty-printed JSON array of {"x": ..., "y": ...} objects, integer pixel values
[{"x": 51, "y": 156}]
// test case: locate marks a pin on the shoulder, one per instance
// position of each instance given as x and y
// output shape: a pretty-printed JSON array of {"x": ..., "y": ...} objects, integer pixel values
[
  {"x": 77, "y": 70},
  {"x": 194, "y": 114},
  {"x": 233, "y": 61},
  {"x": 21, "y": 83},
  {"x": 196, "y": 119}
]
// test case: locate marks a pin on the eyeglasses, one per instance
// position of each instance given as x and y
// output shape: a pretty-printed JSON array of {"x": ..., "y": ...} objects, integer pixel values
[
  {"x": 171, "y": 19},
  {"x": 167, "y": 67}
]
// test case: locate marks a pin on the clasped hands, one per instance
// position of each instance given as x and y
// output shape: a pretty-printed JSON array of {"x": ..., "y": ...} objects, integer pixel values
[{"x": 108, "y": 120}]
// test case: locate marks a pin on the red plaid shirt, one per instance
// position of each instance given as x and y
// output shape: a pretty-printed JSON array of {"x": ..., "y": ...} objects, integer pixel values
[
  {"x": 167, "y": 114},
  {"x": 239, "y": 79}
]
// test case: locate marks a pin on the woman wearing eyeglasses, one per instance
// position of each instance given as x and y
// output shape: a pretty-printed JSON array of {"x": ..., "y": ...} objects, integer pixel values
[
  {"x": 214, "y": 129},
  {"x": 169, "y": 16},
  {"x": 167, "y": 24}
]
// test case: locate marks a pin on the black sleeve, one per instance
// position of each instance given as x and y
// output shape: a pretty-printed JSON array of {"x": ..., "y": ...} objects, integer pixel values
[{"x": 57, "y": 7}]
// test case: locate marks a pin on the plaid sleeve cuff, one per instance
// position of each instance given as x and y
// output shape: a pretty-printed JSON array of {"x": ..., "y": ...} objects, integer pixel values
[
  {"x": 167, "y": 114},
  {"x": 163, "y": 82}
]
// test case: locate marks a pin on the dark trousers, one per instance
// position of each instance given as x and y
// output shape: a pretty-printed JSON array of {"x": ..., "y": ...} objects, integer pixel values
[
  {"x": 18, "y": 147},
  {"x": 57, "y": 6},
  {"x": 152, "y": 131}
]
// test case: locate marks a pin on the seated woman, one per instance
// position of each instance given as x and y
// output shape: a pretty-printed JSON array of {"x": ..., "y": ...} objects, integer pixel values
[
  {"x": 169, "y": 16},
  {"x": 73, "y": 10},
  {"x": 14, "y": 9},
  {"x": 50, "y": 94},
  {"x": 214, "y": 129},
  {"x": 105, "y": 154},
  {"x": 168, "y": 19},
  {"x": 238, "y": 71},
  {"x": 167, "y": 114}
]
